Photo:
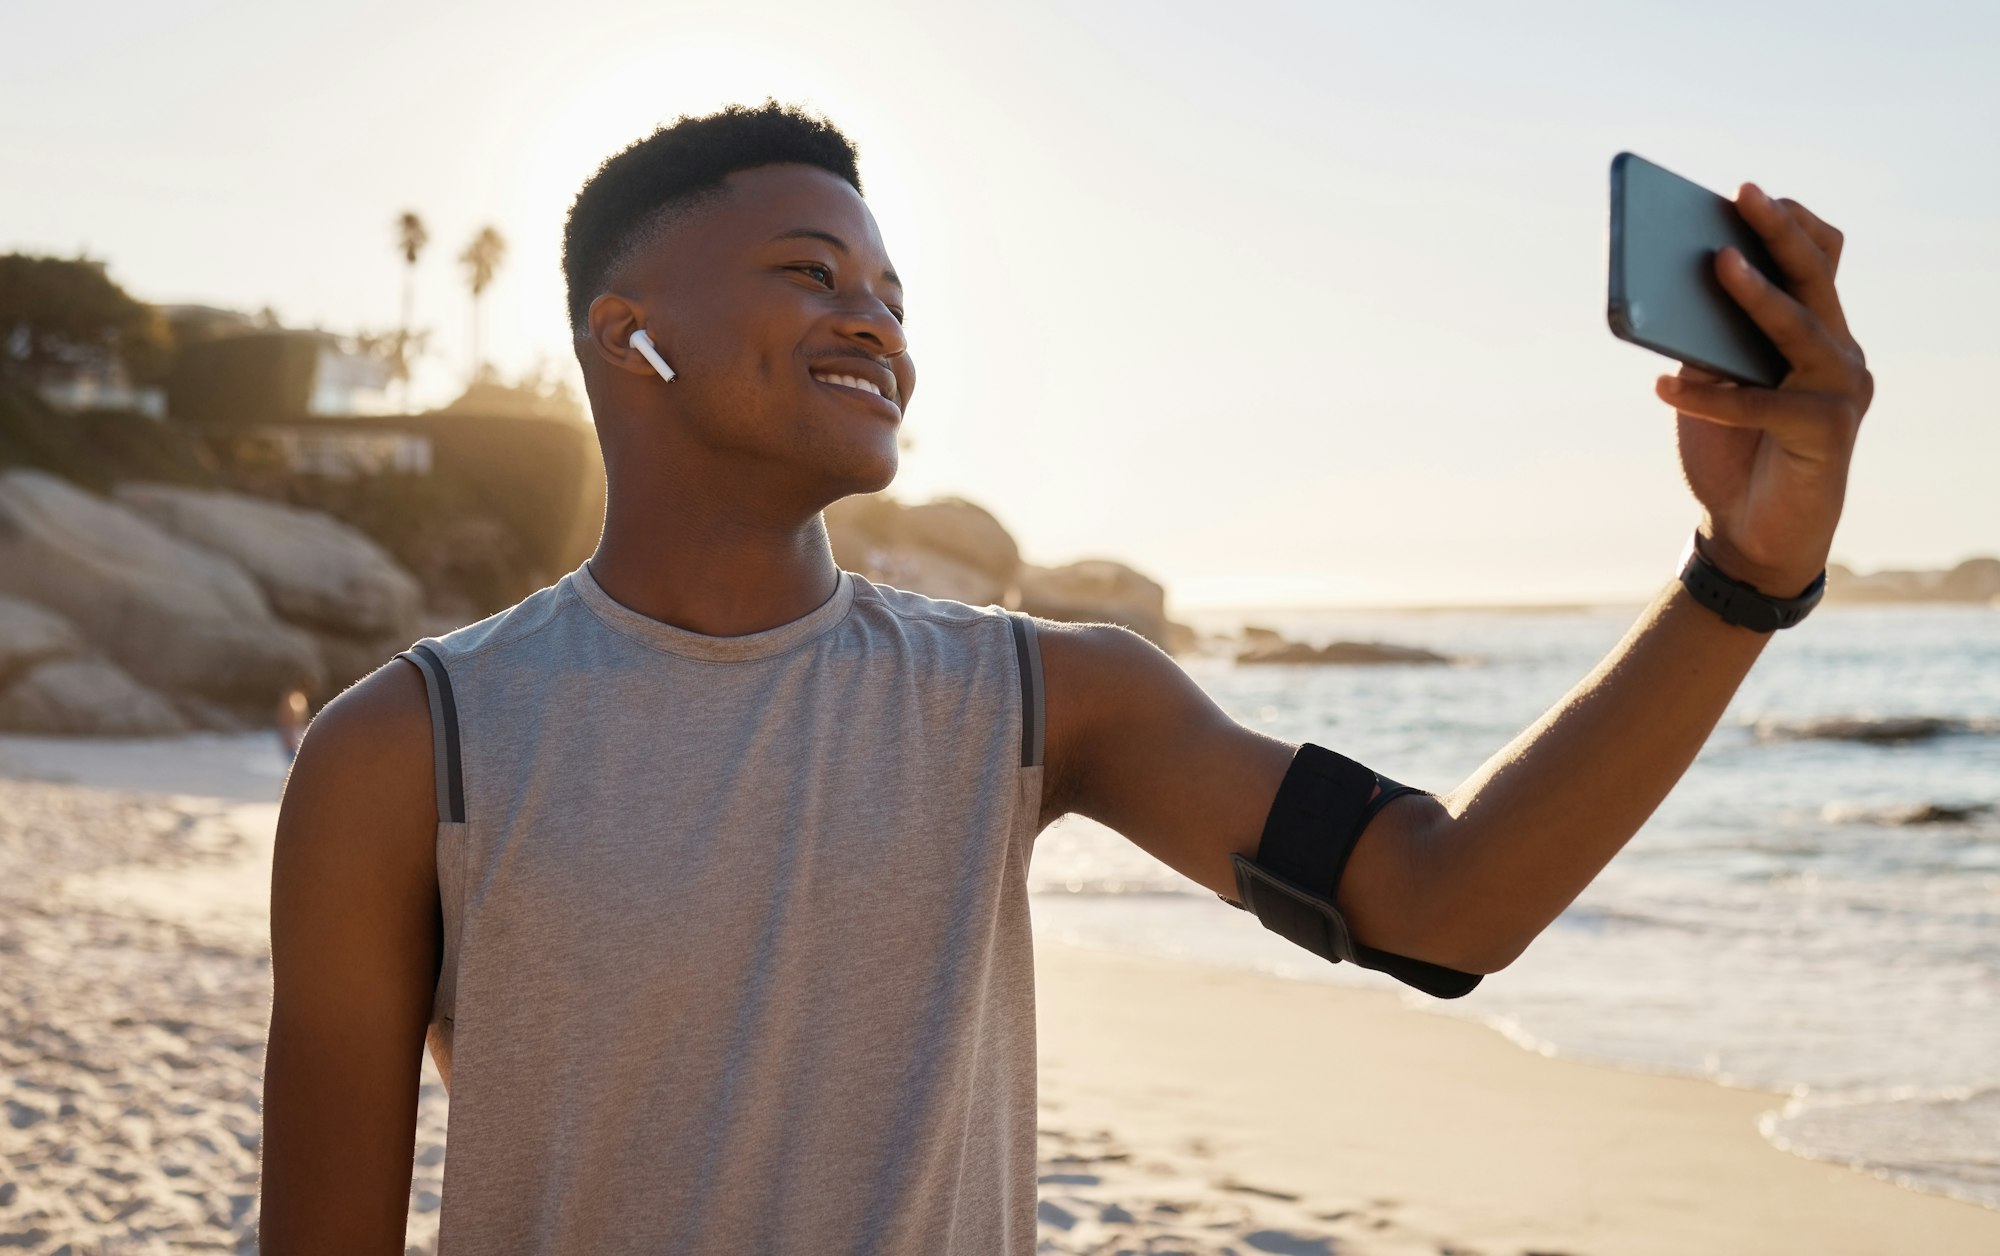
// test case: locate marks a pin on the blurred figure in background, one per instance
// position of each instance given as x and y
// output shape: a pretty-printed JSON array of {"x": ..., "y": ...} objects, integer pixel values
[{"x": 295, "y": 711}]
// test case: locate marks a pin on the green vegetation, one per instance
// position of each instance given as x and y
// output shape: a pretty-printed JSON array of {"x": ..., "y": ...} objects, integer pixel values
[
  {"x": 481, "y": 260},
  {"x": 98, "y": 448},
  {"x": 242, "y": 380},
  {"x": 411, "y": 237},
  {"x": 515, "y": 487},
  {"x": 512, "y": 504},
  {"x": 57, "y": 313}
]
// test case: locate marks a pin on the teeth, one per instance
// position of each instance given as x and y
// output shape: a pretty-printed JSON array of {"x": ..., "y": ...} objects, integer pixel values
[{"x": 851, "y": 382}]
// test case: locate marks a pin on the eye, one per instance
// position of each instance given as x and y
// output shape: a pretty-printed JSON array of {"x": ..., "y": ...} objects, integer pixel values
[
  {"x": 898, "y": 314},
  {"x": 818, "y": 270}
]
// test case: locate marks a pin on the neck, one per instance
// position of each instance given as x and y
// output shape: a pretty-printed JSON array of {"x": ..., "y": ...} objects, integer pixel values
[{"x": 711, "y": 561}]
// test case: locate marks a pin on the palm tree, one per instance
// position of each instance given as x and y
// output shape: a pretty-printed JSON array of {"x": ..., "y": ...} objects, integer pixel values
[
  {"x": 411, "y": 237},
  {"x": 481, "y": 258}
]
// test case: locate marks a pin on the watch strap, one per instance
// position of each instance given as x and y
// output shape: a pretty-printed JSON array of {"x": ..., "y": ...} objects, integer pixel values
[{"x": 1744, "y": 605}]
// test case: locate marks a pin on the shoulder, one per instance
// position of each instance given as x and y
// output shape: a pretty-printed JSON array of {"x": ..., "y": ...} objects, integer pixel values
[
  {"x": 1106, "y": 681},
  {"x": 1094, "y": 666},
  {"x": 502, "y": 628},
  {"x": 892, "y": 602},
  {"x": 1135, "y": 744},
  {"x": 376, "y": 718},
  {"x": 365, "y": 766},
  {"x": 1107, "y": 693}
]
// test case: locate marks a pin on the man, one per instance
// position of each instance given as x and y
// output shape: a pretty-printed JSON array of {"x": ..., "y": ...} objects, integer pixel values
[{"x": 703, "y": 870}]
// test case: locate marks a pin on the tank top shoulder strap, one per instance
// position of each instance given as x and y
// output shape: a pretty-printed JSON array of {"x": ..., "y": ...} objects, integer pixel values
[
  {"x": 1028, "y": 652},
  {"x": 444, "y": 732}
]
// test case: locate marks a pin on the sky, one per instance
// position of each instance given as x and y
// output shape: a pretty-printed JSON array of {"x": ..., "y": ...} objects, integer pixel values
[{"x": 1281, "y": 303}]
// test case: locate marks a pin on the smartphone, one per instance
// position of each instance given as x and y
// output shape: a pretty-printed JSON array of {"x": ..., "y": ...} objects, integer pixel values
[{"x": 1664, "y": 296}]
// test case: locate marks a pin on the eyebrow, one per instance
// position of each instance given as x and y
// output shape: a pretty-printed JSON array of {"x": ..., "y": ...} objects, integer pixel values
[{"x": 814, "y": 233}]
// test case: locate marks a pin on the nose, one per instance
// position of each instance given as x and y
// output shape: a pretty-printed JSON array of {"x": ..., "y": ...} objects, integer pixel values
[{"x": 866, "y": 320}]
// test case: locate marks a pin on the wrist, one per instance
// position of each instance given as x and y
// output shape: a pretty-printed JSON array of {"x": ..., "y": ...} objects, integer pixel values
[
  {"x": 1775, "y": 582},
  {"x": 1739, "y": 603}
]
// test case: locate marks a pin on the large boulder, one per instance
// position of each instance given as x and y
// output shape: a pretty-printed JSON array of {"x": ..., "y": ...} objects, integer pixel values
[
  {"x": 947, "y": 548},
  {"x": 1264, "y": 650},
  {"x": 29, "y": 635},
  {"x": 209, "y": 717},
  {"x": 1974, "y": 580},
  {"x": 175, "y": 616},
  {"x": 965, "y": 533},
  {"x": 85, "y": 695},
  {"x": 314, "y": 570},
  {"x": 933, "y": 575},
  {"x": 348, "y": 659},
  {"x": 1876, "y": 730},
  {"x": 1097, "y": 590}
]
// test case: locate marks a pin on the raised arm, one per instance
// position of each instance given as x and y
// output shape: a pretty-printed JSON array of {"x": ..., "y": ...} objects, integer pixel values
[
  {"x": 354, "y": 960},
  {"x": 1469, "y": 878}
]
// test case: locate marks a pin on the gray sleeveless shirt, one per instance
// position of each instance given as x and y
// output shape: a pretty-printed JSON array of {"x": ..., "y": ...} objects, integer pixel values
[{"x": 736, "y": 941}]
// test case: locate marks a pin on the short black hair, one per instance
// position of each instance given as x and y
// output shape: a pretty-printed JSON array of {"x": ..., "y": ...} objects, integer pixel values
[{"x": 639, "y": 192}]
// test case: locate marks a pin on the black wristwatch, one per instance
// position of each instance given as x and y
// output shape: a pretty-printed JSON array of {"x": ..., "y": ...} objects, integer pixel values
[{"x": 1740, "y": 604}]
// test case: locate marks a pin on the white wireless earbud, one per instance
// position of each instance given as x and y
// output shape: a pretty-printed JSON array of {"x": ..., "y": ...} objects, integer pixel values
[{"x": 644, "y": 344}]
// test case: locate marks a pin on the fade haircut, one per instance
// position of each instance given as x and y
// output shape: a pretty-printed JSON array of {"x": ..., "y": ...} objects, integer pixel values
[{"x": 637, "y": 195}]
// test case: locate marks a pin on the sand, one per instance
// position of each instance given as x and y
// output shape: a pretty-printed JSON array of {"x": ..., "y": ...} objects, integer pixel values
[
  {"x": 136, "y": 995},
  {"x": 1437, "y": 1133},
  {"x": 1184, "y": 1109}
]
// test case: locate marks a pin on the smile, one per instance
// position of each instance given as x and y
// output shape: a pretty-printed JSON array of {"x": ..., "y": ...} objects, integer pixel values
[{"x": 854, "y": 382}]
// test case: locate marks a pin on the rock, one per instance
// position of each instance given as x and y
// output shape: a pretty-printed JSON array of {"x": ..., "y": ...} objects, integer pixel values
[
  {"x": 31, "y": 635},
  {"x": 174, "y": 616},
  {"x": 1341, "y": 652},
  {"x": 470, "y": 565},
  {"x": 1974, "y": 580},
  {"x": 961, "y": 531},
  {"x": 1883, "y": 586},
  {"x": 314, "y": 570},
  {"x": 85, "y": 695},
  {"x": 857, "y": 525},
  {"x": 1873, "y": 730},
  {"x": 948, "y": 548},
  {"x": 951, "y": 548},
  {"x": 1096, "y": 591},
  {"x": 349, "y": 659},
  {"x": 433, "y": 623},
  {"x": 211, "y": 717},
  {"x": 1919, "y": 814},
  {"x": 933, "y": 575},
  {"x": 1942, "y": 813}
]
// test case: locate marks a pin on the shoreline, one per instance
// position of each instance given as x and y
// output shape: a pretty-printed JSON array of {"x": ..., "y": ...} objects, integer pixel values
[
  {"x": 1338, "y": 1095},
  {"x": 1622, "y": 604},
  {"x": 1222, "y": 952}
]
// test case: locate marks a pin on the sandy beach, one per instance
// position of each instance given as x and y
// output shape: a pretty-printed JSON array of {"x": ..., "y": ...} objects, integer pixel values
[{"x": 1184, "y": 1109}]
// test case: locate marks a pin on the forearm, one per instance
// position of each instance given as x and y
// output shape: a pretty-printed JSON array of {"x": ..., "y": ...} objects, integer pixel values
[{"x": 1520, "y": 839}]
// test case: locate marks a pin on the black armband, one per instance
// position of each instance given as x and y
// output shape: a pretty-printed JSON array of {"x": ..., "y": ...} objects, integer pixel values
[{"x": 1321, "y": 809}]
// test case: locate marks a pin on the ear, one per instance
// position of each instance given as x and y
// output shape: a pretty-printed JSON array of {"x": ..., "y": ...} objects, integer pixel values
[{"x": 613, "y": 319}]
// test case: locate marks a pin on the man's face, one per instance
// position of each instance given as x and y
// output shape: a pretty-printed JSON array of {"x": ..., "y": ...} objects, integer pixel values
[{"x": 778, "y": 309}]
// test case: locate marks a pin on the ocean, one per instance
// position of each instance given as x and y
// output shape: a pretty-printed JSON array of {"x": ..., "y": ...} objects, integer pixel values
[{"x": 1818, "y": 917}]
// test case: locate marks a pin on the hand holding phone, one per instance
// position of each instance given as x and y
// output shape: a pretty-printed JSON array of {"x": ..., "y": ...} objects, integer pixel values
[
  {"x": 1663, "y": 292},
  {"x": 1767, "y": 461}
]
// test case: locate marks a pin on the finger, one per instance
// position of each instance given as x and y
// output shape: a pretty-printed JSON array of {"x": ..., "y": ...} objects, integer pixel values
[
  {"x": 1823, "y": 233},
  {"x": 1808, "y": 271},
  {"x": 1796, "y": 330},
  {"x": 1801, "y": 421},
  {"x": 1690, "y": 371}
]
